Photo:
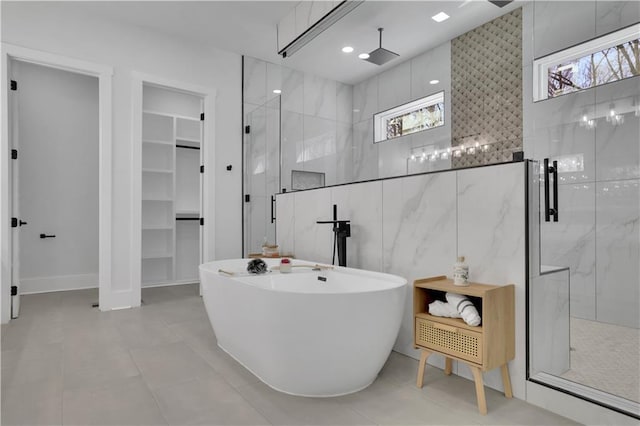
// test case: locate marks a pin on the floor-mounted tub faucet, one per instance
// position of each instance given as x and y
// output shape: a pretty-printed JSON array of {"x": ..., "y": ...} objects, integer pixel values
[{"x": 341, "y": 230}]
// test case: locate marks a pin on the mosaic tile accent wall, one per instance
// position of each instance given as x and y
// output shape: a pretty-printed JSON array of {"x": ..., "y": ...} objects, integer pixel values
[{"x": 486, "y": 73}]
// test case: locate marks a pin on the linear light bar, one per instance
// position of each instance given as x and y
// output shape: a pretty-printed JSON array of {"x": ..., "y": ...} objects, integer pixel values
[{"x": 316, "y": 29}]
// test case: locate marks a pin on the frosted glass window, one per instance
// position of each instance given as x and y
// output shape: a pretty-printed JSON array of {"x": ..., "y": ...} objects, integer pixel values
[
  {"x": 606, "y": 59},
  {"x": 412, "y": 117}
]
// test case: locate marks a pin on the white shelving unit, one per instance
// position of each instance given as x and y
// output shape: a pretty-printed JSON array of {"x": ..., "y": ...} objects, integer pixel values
[{"x": 171, "y": 189}]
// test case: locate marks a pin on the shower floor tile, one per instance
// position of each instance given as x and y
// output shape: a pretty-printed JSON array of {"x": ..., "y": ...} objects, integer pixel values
[{"x": 605, "y": 357}]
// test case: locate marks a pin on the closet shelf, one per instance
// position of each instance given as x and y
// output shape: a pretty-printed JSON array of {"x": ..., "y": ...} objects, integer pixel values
[
  {"x": 157, "y": 256},
  {"x": 160, "y": 199},
  {"x": 171, "y": 115},
  {"x": 158, "y": 142},
  {"x": 167, "y": 171},
  {"x": 187, "y": 139}
]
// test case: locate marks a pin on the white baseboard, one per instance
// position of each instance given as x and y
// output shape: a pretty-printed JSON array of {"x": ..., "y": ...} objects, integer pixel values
[{"x": 59, "y": 283}]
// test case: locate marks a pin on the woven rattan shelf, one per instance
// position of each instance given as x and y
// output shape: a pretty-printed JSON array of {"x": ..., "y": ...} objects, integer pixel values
[{"x": 483, "y": 348}]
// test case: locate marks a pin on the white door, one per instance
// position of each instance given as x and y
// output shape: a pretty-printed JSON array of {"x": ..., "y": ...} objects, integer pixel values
[{"x": 55, "y": 122}]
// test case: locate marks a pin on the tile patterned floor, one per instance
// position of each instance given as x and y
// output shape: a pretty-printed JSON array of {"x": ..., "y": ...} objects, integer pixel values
[
  {"x": 611, "y": 365},
  {"x": 64, "y": 362}
]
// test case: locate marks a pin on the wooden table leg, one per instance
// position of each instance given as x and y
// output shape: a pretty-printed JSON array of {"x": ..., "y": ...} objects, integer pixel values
[
  {"x": 506, "y": 381},
  {"x": 477, "y": 377},
  {"x": 447, "y": 366},
  {"x": 423, "y": 362}
]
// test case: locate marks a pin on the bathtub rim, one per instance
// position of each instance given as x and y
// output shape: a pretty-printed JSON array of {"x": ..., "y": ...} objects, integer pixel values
[{"x": 392, "y": 282}]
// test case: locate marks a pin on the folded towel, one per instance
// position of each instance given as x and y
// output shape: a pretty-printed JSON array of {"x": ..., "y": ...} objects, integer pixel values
[
  {"x": 443, "y": 309},
  {"x": 465, "y": 308}
]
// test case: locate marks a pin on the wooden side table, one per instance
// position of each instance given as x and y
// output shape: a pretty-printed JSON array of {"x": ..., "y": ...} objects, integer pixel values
[{"x": 485, "y": 347}]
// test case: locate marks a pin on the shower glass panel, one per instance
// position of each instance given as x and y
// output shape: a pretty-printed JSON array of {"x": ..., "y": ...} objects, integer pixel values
[
  {"x": 584, "y": 294},
  {"x": 261, "y": 172}
]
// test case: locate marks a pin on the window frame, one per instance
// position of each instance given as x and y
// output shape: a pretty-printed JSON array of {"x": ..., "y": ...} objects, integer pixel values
[
  {"x": 380, "y": 118},
  {"x": 541, "y": 65}
]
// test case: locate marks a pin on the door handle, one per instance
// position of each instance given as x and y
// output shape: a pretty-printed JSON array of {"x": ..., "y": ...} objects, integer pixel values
[
  {"x": 550, "y": 210},
  {"x": 273, "y": 205},
  {"x": 22, "y": 222},
  {"x": 47, "y": 236}
]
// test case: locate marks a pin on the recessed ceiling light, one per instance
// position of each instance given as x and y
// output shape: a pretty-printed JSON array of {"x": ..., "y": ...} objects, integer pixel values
[
  {"x": 277, "y": 91},
  {"x": 434, "y": 82},
  {"x": 440, "y": 17},
  {"x": 347, "y": 49},
  {"x": 363, "y": 56}
]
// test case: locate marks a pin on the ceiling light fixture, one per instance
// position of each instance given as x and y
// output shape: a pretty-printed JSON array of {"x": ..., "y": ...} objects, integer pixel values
[
  {"x": 347, "y": 49},
  {"x": 277, "y": 91},
  {"x": 434, "y": 82},
  {"x": 381, "y": 56},
  {"x": 363, "y": 56},
  {"x": 440, "y": 17}
]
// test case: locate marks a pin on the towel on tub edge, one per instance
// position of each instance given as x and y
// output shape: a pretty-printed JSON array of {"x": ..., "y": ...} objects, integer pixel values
[{"x": 465, "y": 308}]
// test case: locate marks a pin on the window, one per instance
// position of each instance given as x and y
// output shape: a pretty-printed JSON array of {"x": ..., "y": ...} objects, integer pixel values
[
  {"x": 613, "y": 57},
  {"x": 415, "y": 116}
]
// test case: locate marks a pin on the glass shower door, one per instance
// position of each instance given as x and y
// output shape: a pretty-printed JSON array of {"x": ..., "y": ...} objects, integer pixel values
[{"x": 584, "y": 290}]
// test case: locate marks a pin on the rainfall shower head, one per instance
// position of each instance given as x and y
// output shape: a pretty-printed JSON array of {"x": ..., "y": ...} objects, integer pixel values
[{"x": 380, "y": 55}]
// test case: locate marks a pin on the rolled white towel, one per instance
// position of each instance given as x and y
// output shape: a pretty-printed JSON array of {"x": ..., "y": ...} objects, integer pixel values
[
  {"x": 465, "y": 308},
  {"x": 443, "y": 309}
]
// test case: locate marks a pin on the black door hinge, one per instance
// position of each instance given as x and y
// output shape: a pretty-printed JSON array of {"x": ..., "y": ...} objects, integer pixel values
[
  {"x": 14, "y": 290},
  {"x": 14, "y": 154},
  {"x": 247, "y": 129},
  {"x": 202, "y": 116},
  {"x": 201, "y": 169},
  {"x": 247, "y": 198},
  {"x": 14, "y": 85},
  {"x": 202, "y": 221},
  {"x": 14, "y": 222}
]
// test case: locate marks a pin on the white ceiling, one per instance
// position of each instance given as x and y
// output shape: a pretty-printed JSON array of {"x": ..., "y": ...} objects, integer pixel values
[{"x": 249, "y": 28}]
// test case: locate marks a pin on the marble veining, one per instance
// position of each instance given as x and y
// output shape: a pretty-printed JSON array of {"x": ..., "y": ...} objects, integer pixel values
[
  {"x": 571, "y": 242},
  {"x": 612, "y": 15},
  {"x": 365, "y": 152},
  {"x": 292, "y": 90},
  {"x": 319, "y": 97},
  {"x": 562, "y": 24},
  {"x": 618, "y": 252},
  {"x": 365, "y": 100},
  {"x": 550, "y": 323},
  {"x": 394, "y": 86},
  {"x": 362, "y": 204},
  {"x": 255, "y": 79},
  {"x": 419, "y": 237}
]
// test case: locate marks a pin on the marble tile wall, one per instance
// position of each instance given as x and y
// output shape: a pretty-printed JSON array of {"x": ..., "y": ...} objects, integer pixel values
[
  {"x": 589, "y": 236},
  {"x": 307, "y": 127},
  {"x": 549, "y": 326},
  {"x": 415, "y": 226},
  {"x": 403, "y": 83}
]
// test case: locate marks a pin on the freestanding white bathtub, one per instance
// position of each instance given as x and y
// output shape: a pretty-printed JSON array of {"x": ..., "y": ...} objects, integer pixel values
[{"x": 300, "y": 335}]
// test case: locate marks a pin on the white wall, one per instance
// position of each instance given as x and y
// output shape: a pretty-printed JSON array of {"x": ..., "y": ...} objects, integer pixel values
[
  {"x": 58, "y": 177},
  {"x": 45, "y": 27}
]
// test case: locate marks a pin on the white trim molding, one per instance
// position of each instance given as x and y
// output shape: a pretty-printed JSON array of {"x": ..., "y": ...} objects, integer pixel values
[
  {"x": 104, "y": 74},
  {"x": 208, "y": 189},
  {"x": 541, "y": 65}
]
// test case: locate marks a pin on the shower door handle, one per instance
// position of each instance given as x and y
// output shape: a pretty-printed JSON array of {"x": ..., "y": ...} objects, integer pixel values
[
  {"x": 550, "y": 210},
  {"x": 273, "y": 207}
]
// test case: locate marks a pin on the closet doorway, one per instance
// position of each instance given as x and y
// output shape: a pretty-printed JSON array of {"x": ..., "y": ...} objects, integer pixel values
[
  {"x": 172, "y": 170},
  {"x": 54, "y": 137}
]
